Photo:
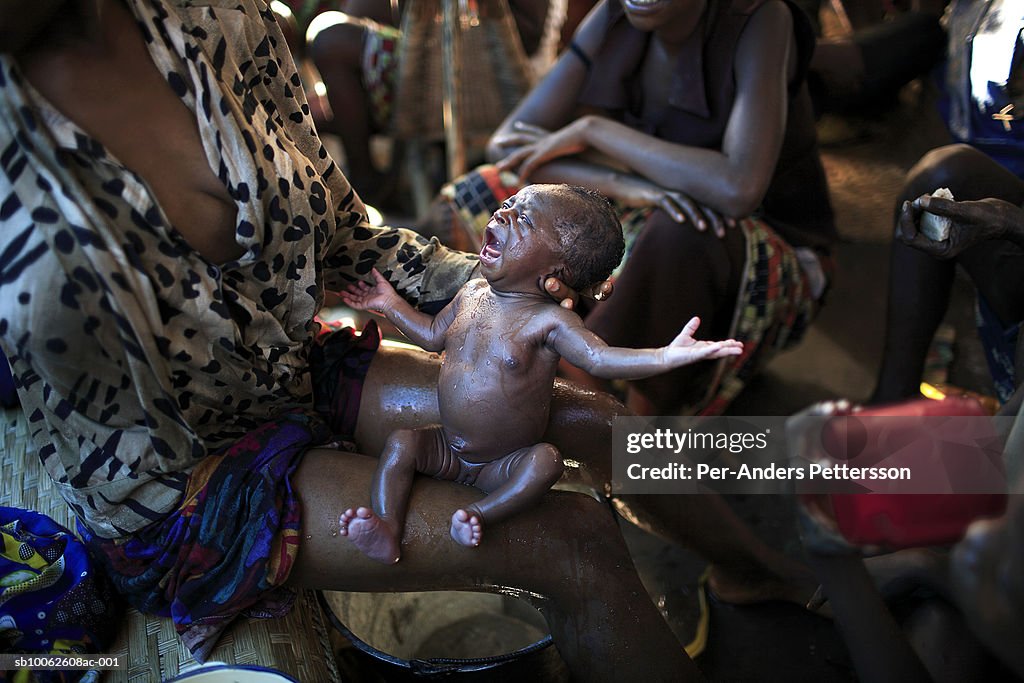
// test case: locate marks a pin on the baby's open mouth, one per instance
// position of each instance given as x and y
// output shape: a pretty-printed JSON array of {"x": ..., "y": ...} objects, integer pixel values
[{"x": 491, "y": 249}]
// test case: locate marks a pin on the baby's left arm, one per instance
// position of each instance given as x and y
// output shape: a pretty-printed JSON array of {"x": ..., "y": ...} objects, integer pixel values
[
  {"x": 587, "y": 351},
  {"x": 428, "y": 331}
]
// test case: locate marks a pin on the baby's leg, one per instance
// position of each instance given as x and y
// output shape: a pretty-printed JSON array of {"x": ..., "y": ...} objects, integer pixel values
[
  {"x": 512, "y": 483},
  {"x": 378, "y": 532}
]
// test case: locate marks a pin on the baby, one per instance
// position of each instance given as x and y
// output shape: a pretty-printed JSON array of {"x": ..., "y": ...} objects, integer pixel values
[{"x": 503, "y": 337}]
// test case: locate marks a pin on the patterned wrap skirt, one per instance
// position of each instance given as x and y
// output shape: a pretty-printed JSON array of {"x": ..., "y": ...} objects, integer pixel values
[{"x": 228, "y": 548}]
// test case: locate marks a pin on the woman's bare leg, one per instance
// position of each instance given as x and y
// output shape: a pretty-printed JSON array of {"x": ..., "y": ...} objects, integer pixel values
[
  {"x": 574, "y": 561},
  {"x": 743, "y": 568},
  {"x": 920, "y": 285}
]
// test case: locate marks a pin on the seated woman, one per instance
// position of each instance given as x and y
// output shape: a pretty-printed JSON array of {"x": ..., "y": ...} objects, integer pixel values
[
  {"x": 979, "y": 610},
  {"x": 980, "y": 93},
  {"x": 695, "y": 118},
  {"x": 169, "y": 223},
  {"x": 920, "y": 281}
]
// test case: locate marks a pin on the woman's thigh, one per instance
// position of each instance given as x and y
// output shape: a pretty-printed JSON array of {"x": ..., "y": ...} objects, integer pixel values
[{"x": 565, "y": 554}]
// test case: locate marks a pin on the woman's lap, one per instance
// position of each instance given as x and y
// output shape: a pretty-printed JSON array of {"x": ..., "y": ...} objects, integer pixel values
[{"x": 230, "y": 545}]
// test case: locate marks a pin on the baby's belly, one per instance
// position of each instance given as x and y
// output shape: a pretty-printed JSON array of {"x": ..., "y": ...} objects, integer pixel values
[{"x": 487, "y": 416}]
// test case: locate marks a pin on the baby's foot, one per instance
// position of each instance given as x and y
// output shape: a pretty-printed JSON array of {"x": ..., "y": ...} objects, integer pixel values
[
  {"x": 371, "y": 534},
  {"x": 467, "y": 529}
]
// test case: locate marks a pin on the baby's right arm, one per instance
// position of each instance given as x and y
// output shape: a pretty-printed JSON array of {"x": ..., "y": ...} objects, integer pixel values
[{"x": 424, "y": 330}]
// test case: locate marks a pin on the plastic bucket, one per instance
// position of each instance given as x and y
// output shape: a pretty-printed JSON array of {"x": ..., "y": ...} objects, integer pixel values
[
  {"x": 446, "y": 634},
  {"x": 232, "y": 673}
]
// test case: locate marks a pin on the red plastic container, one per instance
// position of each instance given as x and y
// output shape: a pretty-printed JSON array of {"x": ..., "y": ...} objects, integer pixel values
[{"x": 894, "y": 520}]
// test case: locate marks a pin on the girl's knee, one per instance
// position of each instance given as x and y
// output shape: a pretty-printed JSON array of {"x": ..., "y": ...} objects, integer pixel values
[
  {"x": 959, "y": 167},
  {"x": 678, "y": 252},
  {"x": 941, "y": 162}
]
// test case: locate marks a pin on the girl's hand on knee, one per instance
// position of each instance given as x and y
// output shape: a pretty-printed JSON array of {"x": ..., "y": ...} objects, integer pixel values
[
  {"x": 972, "y": 222},
  {"x": 637, "y": 192}
]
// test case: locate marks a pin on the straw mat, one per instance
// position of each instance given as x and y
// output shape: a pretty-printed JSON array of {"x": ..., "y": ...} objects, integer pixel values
[{"x": 148, "y": 647}]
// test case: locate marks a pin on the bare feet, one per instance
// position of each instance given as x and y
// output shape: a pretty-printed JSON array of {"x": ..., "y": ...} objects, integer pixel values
[
  {"x": 467, "y": 529},
  {"x": 371, "y": 534}
]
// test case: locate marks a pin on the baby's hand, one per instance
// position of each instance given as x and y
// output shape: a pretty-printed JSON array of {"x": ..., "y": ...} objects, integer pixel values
[
  {"x": 684, "y": 349},
  {"x": 362, "y": 297}
]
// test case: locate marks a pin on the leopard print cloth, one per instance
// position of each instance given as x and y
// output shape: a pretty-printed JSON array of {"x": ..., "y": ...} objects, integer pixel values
[{"x": 133, "y": 356}]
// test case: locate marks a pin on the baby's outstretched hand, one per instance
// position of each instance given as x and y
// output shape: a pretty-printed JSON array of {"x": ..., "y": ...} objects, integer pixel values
[
  {"x": 364, "y": 297},
  {"x": 685, "y": 349}
]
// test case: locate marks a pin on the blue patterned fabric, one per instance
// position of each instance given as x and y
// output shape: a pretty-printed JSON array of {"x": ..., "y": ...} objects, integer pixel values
[{"x": 52, "y": 600}]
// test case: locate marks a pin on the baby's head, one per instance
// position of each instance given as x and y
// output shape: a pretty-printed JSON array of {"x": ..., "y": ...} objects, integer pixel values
[
  {"x": 590, "y": 236},
  {"x": 567, "y": 231}
]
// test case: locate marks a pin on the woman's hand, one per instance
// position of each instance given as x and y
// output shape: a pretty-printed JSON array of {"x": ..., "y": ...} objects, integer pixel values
[
  {"x": 637, "y": 192},
  {"x": 522, "y": 134},
  {"x": 567, "y": 297},
  {"x": 539, "y": 147},
  {"x": 972, "y": 222}
]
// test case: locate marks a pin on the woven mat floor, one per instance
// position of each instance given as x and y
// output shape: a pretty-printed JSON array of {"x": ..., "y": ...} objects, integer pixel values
[{"x": 148, "y": 646}]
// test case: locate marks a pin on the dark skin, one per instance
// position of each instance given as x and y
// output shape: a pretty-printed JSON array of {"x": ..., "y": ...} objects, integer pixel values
[
  {"x": 99, "y": 75},
  {"x": 597, "y": 638},
  {"x": 543, "y": 137},
  {"x": 987, "y": 239},
  {"x": 548, "y": 138},
  {"x": 981, "y": 577},
  {"x": 503, "y": 338}
]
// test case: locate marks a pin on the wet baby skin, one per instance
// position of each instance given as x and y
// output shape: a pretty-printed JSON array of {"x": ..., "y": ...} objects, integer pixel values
[{"x": 502, "y": 338}]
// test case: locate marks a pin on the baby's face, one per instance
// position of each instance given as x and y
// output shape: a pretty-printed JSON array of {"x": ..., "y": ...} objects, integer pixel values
[{"x": 520, "y": 245}]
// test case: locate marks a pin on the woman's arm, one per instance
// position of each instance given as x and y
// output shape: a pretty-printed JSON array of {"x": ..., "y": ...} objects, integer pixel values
[{"x": 731, "y": 180}]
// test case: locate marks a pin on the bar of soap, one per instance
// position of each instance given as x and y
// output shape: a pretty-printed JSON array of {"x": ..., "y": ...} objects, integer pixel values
[{"x": 936, "y": 228}]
